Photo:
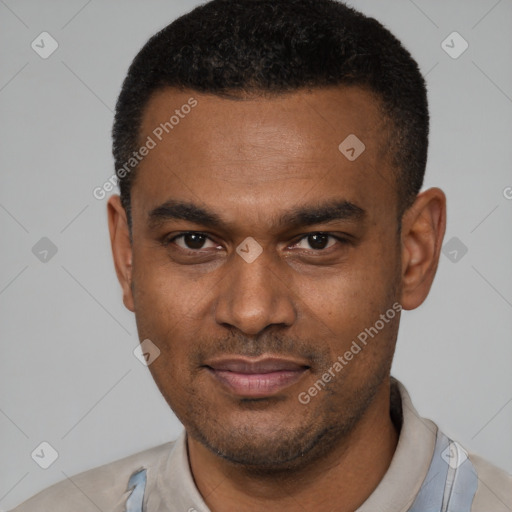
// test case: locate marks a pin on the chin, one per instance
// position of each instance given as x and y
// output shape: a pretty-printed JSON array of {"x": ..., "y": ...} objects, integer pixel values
[{"x": 268, "y": 449}]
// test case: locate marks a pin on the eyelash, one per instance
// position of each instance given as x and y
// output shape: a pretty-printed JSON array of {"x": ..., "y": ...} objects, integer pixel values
[{"x": 342, "y": 240}]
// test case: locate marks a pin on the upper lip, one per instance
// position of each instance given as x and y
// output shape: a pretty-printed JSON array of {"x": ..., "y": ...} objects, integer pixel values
[{"x": 255, "y": 366}]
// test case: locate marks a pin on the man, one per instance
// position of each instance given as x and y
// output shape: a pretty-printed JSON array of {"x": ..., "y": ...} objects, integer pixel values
[{"x": 269, "y": 232}]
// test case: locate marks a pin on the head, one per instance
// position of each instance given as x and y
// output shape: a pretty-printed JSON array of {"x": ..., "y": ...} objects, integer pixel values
[{"x": 273, "y": 217}]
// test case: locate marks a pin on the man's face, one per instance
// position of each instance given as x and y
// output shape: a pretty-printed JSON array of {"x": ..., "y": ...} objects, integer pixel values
[{"x": 243, "y": 335}]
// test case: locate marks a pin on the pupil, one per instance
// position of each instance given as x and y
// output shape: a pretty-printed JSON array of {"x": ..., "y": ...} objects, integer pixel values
[
  {"x": 194, "y": 241},
  {"x": 316, "y": 244}
]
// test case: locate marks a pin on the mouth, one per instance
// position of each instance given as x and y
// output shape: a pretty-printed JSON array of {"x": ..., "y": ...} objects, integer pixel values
[{"x": 256, "y": 377}]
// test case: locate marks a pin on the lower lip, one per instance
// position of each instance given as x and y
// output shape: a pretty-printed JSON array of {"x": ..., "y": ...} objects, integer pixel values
[{"x": 257, "y": 385}]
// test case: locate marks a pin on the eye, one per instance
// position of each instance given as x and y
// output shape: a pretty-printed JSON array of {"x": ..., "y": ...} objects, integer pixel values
[
  {"x": 192, "y": 241},
  {"x": 318, "y": 241}
]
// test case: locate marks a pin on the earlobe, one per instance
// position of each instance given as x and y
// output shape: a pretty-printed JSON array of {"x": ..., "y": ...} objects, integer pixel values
[
  {"x": 423, "y": 228},
  {"x": 121, "y": 248}
]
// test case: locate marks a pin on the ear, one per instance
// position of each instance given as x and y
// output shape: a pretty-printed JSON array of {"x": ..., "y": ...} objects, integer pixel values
[
  {"x": 121, "y": 248},
  {"x": 423, "y": 227}
]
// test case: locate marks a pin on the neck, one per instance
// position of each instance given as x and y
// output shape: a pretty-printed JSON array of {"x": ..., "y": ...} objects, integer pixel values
[{"x": 339, "y": 482}]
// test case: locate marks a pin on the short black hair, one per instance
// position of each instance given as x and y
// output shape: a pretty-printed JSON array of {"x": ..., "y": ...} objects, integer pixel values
[{"x": 239, "y": 47}]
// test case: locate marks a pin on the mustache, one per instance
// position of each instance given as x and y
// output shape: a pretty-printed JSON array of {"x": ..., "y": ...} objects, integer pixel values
[{"x": 237, "y": 344}]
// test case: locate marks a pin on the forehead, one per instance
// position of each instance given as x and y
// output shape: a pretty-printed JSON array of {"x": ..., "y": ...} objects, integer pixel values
[{"x": 297, "y": 146}]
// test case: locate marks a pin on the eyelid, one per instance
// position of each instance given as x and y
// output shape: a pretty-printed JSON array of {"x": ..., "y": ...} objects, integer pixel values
[
  {"x": 169, "y": 239},
  {"x": 341, "y": 238}
]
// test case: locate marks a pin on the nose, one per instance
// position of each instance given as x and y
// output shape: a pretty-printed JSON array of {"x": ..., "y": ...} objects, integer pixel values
[{"x": 255, "y": 295}]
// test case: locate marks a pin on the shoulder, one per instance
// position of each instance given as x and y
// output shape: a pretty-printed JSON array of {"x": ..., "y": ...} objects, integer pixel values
[
  {"x": 101, "y": 488},
  {"x": 494, "y": 490}
]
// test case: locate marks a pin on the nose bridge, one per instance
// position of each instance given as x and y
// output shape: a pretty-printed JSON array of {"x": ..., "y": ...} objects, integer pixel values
[{"x": 254, "y": 295}]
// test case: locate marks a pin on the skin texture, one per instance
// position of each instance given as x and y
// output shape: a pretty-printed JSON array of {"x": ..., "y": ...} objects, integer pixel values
[{"x": 303, "y": 298}]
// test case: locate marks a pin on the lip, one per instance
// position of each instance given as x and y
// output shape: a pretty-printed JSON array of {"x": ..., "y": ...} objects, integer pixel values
[{"x": 256, "y": 377}]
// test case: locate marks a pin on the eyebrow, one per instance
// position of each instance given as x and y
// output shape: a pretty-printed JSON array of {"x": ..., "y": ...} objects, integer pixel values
[{"x": 330, "y": 211}]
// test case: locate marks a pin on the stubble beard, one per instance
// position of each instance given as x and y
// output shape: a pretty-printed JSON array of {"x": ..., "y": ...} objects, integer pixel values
[{"x": 285, "y": 447}]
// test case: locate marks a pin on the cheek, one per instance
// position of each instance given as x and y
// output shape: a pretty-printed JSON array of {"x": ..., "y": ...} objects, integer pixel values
[
  {"x": 158, "y": 292},
  {"x": 159, "y": 311},
  {"x": 351, "y": 292},
  {"x": 353, "y": 299},
  {"x": 168, "y": 306}
]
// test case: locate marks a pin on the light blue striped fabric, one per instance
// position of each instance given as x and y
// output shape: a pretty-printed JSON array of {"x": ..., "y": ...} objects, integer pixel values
[
  {"x": 451, "y": 481},
  {"x": 137, "y": 482}
]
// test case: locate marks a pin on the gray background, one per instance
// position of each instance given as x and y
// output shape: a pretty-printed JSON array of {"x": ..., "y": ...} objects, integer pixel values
[{"x": 67, "y": 372}]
